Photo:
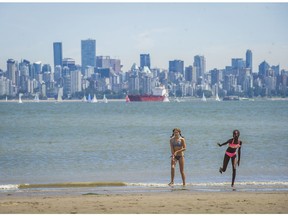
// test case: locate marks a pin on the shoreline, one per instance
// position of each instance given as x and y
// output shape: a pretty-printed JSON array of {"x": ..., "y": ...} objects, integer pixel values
[
  {"x": 123, "y": 100},
  {"x": 173, "y": 202}
]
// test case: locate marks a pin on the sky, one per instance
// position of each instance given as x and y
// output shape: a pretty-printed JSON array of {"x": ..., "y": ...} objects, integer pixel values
[{"x": 167, "y": 31}]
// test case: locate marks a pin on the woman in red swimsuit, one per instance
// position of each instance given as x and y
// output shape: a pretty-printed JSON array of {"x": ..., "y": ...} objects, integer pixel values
[{"x": 231, "y": 152}]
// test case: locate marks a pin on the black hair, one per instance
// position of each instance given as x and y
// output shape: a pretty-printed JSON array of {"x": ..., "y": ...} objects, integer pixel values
[{"x": 237, "y": 131}]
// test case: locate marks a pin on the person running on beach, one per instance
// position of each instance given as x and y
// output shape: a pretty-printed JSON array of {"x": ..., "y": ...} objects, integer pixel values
[
  {"x": 231, "y": 151},
  {"x": 178, "y": 146}
]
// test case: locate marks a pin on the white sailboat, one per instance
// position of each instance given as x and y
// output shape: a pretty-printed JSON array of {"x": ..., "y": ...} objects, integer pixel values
[
  {"x": 166, "y": 99},
  {"x": 6, "y": 99},
  {"x": 20, "y": 100},
  {"x": 59, "y": 98},
  {"x": 94, "y": 100},
  {"x": 217, "y": 98},
  {"x": 36, "y": 98},
  {"x": 105, "y": 99},
  {"x": 84, "y": 99},
  {"x": 60, "y": 93},
  {"x": 216, "y": 89},
  {"x": 203, "y": 97}
]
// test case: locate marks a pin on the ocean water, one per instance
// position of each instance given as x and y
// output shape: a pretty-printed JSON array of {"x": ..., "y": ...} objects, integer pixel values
[{"x": 58, "y": 143}]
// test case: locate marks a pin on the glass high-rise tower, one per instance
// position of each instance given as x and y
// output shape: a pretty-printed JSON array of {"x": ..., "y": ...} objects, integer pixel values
[
  {"x": 145, "y": 60},
  {"x": 88, "y": 53},
  {"x": 200, "y": 66},
  {"x": 57, "y": 50},
  {"x": 249, "y": 59}
]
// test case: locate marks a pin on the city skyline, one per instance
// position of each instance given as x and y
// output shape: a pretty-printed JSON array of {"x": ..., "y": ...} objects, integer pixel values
[{"x": 166, "y": 31}]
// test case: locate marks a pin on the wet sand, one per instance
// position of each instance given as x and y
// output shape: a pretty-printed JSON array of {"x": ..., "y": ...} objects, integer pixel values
[{"x": 177, "y": 202}]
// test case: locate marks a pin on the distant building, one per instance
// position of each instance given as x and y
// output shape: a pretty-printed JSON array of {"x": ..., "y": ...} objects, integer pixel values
[
  {"x": 12, "y": 70},
  {"x": 70, "y": 63},
  {"x": 249, "y": 62},
  {"x": 57, "y": 50},
  {"x": 88, "y": 53},
  {"x": 145, "y": 60},
  {"x": 176, "y": 66},
  {"x": 190, "y": 74},
  {"x": 200, "y": 67},
  {"x": 107, "y": 62},
  {"x": 238, "y": 63}
]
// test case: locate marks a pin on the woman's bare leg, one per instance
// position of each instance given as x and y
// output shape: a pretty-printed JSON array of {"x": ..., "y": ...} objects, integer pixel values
[{"x": 181, "y": 166}]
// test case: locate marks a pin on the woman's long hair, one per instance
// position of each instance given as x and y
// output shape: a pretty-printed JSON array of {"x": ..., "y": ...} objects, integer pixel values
[{"x": 177, "y": 129}]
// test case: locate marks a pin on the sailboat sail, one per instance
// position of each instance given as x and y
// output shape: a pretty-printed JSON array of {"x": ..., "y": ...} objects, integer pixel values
[
  {"x": 20, "y": 100},
  {"x": 204, "y": 98},
  {"x": 94, "y": 100},
  {"x": 166, "y": 99},
  {"x": 60, "y": 94},
  {"x": 105, "y": 99},
  {"x": 36, "y": 98}
]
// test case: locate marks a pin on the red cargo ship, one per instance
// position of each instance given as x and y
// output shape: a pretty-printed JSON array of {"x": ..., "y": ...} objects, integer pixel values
[{"x": 159, "y": 94}]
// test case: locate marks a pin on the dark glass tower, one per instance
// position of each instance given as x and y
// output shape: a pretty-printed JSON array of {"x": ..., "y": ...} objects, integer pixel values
[
  {"x": 88, "y": 53},
  {"x": 57, "y": 49},
  {"x": 249, "y": 59},
  {"x": 145, "y": 60},
  {"x": 176, "y": 66}
]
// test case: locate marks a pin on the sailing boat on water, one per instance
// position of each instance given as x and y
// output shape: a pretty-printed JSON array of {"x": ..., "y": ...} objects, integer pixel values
[
  {"x": 36, "y": 98},
  {"x": 105, "y": 99},
  {"x": 166, "y": 99},
  {"x": 89, "y": 99},
  {"x": 60, "y": 93},
  {"x": 94, "y": 100},
  {"x": 20, "y": 100},
  {"x": 127, "y": 99},
  {"x": 216, "y": 89},
  {"x": 204, "y": 98},
  {"x": 84, "y": 99},
  {"x": 217, "y": 98}
]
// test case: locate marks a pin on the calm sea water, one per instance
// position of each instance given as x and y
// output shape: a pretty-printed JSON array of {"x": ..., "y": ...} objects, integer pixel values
[{"x": 44, "y": 143}]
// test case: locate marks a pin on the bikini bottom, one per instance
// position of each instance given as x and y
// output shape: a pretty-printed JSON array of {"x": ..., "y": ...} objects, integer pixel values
[
  {"x": 177, "y": 157},
  {"x": 230, "y": 154}
]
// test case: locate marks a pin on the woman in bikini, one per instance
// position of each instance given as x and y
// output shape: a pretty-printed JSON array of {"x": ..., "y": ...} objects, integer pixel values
[
  {"x": 231, "y": 152},
  {"x": 178, "y": 146}
]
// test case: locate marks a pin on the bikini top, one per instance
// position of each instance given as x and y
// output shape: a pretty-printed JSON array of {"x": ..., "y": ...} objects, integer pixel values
[
  {"x": 177, "y": 144},
  {"x": 234, "y": 145}
]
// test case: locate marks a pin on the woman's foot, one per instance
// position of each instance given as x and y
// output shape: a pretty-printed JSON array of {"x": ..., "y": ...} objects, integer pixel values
[
  {"x": 220, "y": 170},
  {"x": 171, "y": 183}
]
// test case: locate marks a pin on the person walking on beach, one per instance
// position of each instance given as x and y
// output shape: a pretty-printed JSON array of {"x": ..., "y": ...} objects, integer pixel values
[
  {"x": 178, "y": 146},
  {"x": 231, "y": 151}
]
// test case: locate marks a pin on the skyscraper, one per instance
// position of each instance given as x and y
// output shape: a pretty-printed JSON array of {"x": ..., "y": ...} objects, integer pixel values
[
  {"x": 249, "y": 60},
  {"x": 57, "y": 49},
  {"x": 176, "y": 66},
  {"x": 88, "y": 53},
  {"x": 145, "y": 60},
  {"x": 200, "y": 66},
  {"x": 12, "y": 70}
]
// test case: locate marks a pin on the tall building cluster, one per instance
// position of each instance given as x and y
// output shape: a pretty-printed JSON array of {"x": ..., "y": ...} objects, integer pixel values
[{"x": 98, "y": 74}]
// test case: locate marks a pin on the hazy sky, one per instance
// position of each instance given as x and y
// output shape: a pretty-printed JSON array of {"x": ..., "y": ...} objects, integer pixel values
[{"x": 167, "y": 31}]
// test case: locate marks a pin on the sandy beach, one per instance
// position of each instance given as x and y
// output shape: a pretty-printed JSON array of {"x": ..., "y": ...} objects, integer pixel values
[{"x": 177, "y": 202}]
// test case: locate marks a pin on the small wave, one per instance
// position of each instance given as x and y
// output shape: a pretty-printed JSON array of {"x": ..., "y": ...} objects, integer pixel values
[
  {"x": 61, "y": 185},
  {"x": 9, "y": 187},
  {"x": 212, "y": 184},
  {"x": 139, "y": 184}
]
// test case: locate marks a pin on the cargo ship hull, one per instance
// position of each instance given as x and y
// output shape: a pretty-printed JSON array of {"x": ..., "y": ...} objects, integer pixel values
[{"x": 148, "y": 98}]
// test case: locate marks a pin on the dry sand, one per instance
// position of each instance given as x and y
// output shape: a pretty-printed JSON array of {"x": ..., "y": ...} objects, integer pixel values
[{"x": 179, "y": 202}]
